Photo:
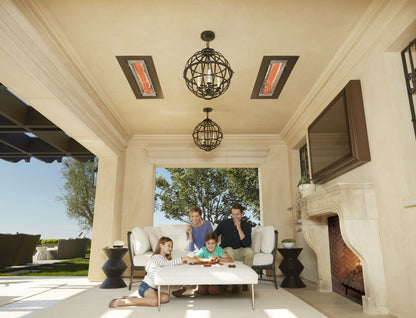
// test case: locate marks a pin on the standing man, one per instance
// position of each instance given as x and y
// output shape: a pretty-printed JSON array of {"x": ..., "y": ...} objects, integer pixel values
[{"x": 236, "y": 236}]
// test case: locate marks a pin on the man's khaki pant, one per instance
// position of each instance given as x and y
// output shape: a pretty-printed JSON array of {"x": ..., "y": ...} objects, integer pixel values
[{"x": 242, "y": 254}]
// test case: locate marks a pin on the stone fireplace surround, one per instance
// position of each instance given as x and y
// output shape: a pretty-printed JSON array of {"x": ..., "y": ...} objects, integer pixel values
[{"x": 355, "y": 205}]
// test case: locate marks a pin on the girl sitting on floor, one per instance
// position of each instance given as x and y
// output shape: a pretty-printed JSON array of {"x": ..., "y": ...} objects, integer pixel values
[{"x": 161, "y": 257}]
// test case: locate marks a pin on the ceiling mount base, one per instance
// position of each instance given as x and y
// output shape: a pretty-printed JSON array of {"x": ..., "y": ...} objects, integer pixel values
[{"x": 207, "y": 36}]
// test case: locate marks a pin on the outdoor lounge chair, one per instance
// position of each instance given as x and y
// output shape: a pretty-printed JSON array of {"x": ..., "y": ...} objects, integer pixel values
[
  {"x": 70, "y": 248},
  {"x": 17, "y": 249},
  {"x": 26, "y": 248},
  {"x": 8, "y": 247}
]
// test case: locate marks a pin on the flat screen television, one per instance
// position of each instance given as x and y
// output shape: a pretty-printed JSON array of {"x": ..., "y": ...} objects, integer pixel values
[{"x": 338, "y": 140}]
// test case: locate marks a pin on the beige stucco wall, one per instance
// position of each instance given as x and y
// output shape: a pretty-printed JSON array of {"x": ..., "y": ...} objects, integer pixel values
[
  {"x": 138, "y": 175},
  {"x": 124, "y": 199},
  {"x": 393, "y": 149}
]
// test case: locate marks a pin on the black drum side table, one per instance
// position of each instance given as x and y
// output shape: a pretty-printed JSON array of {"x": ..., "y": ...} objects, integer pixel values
[
  {"x": 114, "y": 267},
  {"x": 291, "y": 267}
]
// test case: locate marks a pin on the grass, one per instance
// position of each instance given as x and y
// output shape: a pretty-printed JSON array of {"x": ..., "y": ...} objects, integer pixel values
[{"x": 72, "y": 267}]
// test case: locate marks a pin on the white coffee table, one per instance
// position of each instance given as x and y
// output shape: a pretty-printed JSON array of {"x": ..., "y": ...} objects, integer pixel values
[{"x": 186, "y": 274}]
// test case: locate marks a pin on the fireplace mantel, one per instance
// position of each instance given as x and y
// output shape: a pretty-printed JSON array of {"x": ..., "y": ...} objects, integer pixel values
[{"x": 355, "y": 205}]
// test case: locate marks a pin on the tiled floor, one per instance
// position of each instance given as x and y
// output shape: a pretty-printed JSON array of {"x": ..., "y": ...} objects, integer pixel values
[
  {"x": 47, "y": 297},
  {"x": 52, "y": 297},
  {"x": 331, "y": 305}
]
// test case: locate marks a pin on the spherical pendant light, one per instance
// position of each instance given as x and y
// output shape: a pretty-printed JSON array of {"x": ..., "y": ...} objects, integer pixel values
[
  {"x": 207, "y": 134},
  {"x": 207, "y": 73}
]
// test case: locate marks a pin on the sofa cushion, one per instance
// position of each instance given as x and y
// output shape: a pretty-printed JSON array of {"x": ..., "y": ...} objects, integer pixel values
[
  {"x": 256, "y": 240},
  {"x": 177, "y": 232},
  {"x": 261, "y": 259},
  {"x": 140, "y": 241},
  {"x": 142, "y": 259},
  {"x": 267, "y": 239}
]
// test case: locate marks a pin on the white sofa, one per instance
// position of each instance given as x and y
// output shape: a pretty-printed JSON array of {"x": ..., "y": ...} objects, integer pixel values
[{"x": 143, "y": 241}]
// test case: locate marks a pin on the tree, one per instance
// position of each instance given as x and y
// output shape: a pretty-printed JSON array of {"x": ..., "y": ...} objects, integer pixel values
[
  {"x": 245, "y": 183},
  {"x": 78, "y": 193},
  {"x": 210, "y": 189}
]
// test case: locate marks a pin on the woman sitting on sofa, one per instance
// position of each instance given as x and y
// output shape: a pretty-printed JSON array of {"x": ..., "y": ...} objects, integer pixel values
[
  {"x": 195, "y": 235},
  {"x": 196, "y": 231}
]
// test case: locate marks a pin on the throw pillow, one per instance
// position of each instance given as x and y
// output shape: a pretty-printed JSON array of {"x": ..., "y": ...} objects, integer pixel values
[
  {"x": 177, "y": 232},
  {"x": 154, "y": 234},
  {"x": 256, "y": 240},
  {"x": 140, "y": 241},
  {"x": 179, "y": 242},
  {"x": 153, "y": 238},
  {"x": 267, "y": 243},
  {"x": 169, "y": 229}
]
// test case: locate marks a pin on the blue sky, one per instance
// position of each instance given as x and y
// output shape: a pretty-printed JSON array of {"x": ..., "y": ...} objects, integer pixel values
[
  {"x": 28, "y": 192},
  {"x": 29, "y": 204}
]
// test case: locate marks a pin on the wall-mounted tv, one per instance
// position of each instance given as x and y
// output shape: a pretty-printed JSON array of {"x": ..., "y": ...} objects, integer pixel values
[{"x": 338, "y": 140}]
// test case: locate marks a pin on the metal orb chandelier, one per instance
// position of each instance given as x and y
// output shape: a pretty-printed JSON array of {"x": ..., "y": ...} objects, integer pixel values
[
  {"x": 207, "y": 73},
  {"x": 207, "y": 134}
]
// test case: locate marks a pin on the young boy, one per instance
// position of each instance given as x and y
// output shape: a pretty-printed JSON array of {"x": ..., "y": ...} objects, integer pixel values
[{"x": 214, "y": 254}]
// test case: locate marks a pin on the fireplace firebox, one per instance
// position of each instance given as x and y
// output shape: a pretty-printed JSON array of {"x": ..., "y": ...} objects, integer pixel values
[{"x": 346, "y": 269}]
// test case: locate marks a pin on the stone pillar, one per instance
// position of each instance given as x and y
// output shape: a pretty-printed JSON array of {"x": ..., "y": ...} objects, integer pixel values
[
  {"x": 107, "y": 212},
  {"x": 315, "y": 232}
]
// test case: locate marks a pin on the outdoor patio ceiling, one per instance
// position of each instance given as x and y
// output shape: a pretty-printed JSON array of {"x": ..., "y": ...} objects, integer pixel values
[{"x": 25, "y": 134}]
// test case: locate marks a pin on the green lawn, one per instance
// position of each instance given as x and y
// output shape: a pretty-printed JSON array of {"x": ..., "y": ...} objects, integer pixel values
[{"x": 72, "y": 267}]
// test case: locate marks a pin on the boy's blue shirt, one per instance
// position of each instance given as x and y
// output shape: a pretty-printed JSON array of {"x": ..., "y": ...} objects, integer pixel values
[{"x": 203, "y": 252}]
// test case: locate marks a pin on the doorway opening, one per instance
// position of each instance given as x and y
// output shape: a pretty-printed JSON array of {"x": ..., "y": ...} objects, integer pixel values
[{"x": 214, "y": 190}]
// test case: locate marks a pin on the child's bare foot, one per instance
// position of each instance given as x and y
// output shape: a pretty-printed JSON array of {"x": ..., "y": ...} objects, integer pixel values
[{"x": 117, "y": 302}]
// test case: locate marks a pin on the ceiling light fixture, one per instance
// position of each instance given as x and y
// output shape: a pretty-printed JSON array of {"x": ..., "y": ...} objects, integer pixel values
[
  {"x": 207, "y": 134},
  {"x": 207, "y": 73}
]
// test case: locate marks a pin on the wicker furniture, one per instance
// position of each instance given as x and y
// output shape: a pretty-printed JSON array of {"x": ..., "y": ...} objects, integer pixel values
[
  {"x": 17, "y": 249},
  {"x": 70, "y": 248}
]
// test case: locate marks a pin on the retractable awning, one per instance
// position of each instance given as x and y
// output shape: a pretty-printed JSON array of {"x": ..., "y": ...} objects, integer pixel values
[{"x": 25, "y": 133}]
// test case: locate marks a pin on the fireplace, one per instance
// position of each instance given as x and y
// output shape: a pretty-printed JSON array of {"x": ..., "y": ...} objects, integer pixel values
[
  {"x": 346, "y": 269},
  {"x": 355, "y": 206}
]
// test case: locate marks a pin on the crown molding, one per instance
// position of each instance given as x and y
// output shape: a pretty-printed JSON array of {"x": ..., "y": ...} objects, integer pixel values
[
  {"x": 42, "y": 50},
  {"x": 236, "y": 150},
  {"x": 366, "y": 32},
  {"x": 229, "y": 139}
]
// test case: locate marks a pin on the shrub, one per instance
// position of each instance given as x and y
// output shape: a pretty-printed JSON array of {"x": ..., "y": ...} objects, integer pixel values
[
  {"x": 288, "y": 241},
  {"x": 49, "y": 241}
]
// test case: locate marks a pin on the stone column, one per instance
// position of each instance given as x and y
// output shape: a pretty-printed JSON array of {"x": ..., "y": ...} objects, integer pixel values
[{"x": 107, "y": 212}]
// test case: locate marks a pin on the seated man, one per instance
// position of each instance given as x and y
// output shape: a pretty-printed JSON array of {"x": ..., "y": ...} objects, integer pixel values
[{"x": 236, "y": 236}]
